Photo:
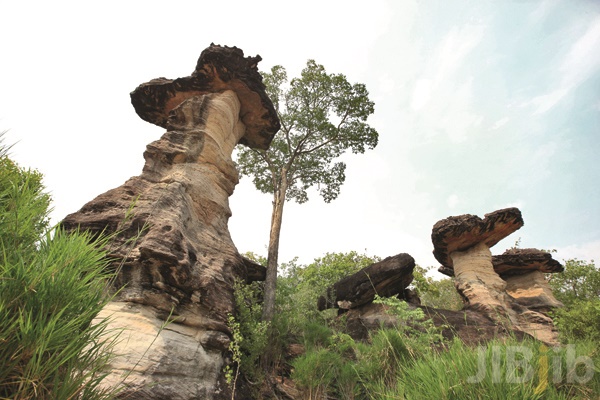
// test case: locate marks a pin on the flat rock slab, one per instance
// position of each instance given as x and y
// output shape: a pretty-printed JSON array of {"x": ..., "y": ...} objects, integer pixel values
[
  {"x": 523, "y": 261},
  {"x": 386, "y": 278}
]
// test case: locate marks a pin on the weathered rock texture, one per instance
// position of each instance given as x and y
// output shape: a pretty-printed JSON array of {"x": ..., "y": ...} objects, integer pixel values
[
  {"x": 462, "y": 244},
  {"x": 173, "y": 253},
  {"x": 470, "y": 326},
  {"x": 523, "y": 270},
  {"x": 386, "y": 278}
]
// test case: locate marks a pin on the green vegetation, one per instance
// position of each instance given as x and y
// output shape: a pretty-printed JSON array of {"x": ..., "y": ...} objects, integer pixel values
[
  {"x": 437, "y": 294},
  {"x": 52, "y": 285},
  {"x": 410, "y": 360},
  {"x": 578, "y": 288},
  {"x": 322, "y": 116}
]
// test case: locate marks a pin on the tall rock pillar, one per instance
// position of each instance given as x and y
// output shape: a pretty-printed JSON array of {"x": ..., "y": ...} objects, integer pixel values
[{"x": 173, "y": 254}]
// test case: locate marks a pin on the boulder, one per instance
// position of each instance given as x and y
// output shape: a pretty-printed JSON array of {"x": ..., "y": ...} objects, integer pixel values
[
  {"x": 523, "y": 270},
  {"x": 470, "y": 326},
  {"x": 174, "y": 259},
  {"x": 388, "y": 277}
]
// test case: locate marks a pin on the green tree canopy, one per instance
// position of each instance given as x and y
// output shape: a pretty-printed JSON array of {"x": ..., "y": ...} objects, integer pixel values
[
  {"x": 322, "y": 116},
  {"x": 579, "y": 281},
  {"x": 578, "y": 287}
]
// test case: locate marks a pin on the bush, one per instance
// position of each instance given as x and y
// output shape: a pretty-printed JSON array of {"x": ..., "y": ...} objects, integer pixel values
[
  {"x": 581, "y": 321},
  {"x": 578, "y": 287},
  {"x": 52, "y": 285}
]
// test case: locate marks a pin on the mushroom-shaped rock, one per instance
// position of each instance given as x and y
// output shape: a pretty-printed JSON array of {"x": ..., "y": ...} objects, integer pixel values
[
  {"x": 523, "y": 270},
  {"x": 462, "y": 232},
  {"x": 173, "y": 253},
  {"x": 385, "y": 278},
  {"x": 462, "y": 244},
  {"x": 219, "y": 68}
]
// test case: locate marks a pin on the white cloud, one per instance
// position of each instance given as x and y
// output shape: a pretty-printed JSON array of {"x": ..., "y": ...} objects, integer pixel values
[
  {"x": 441, "y": 97},
  {"x": 587, "y": 251},
  {"x": 458, "y": 117},
  {"x": 545, "y": 102},
  {"x": 581, "y": 61},
  {"x": 421, "y": 94},
  {"x": 500, "y": 123},
  {"x": 583, "y": 58},
  {"x": 456, "y": 45},
  {"x": 452, "y": 200}
]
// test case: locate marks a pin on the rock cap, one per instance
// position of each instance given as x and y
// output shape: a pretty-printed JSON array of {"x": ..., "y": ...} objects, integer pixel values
[
  {"x": 522, "y": 261},
  {"x": 462, "y": 232},
  {"x": 218, "y": 69}
]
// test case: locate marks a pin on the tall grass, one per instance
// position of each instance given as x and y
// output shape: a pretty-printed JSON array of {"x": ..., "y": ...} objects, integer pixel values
[
  {"x": 398, "y": 364},
  {"x": 52, "y": 285}
]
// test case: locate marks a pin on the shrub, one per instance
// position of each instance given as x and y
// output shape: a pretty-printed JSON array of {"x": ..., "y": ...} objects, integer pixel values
[
  {"x": 580, "y": 321},
  {"x": 52, "y": 285}
]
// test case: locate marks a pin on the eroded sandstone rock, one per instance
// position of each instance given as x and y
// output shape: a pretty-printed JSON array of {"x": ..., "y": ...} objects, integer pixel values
[
  {"x": 388, "y": 277},
  {"x": 523, "y": 270},
  {"x": 173, "y": 253},
  {"x": 462, "y": 244},
  {"x": 470, "y": 326}
]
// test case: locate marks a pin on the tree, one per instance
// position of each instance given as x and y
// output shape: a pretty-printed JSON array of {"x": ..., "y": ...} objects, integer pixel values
[
  {"x": 578, "y": 287},
  {"x": 322, "y": 116},
  {"x": 580, "y": 281}
]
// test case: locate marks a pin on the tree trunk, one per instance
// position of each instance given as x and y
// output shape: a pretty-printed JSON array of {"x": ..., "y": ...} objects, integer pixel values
[{"x": 273, "y": 253}]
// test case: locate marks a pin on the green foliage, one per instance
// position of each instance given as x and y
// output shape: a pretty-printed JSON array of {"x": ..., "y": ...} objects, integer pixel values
[
  {"x": 438, "y": 294},
  {"x": 455, "y": 374},
  {"x": 24, "y": 207},
  {"x": 235, "y": 347},
  {"x": 443, "y": 295},
  {"x": 327, "y": 270},
  {"x": 300, "y": 287},
  {"x": 578, "y": 288},
  {"x": 249, "y": 332},
  {"x": 579, "y": 281},
  {"x": 322, "y": 115},
  {"x": 386, "y": 368},
  {"x": 409, "y": 361},
  {"x": 412, "y": 322},
  {"x": 580, "y": 321},
  {"x": 422, "y": 283},
  {"x": 52, "y": 285},
  {"x": 316, "y": 370},
  {"x": 347, "y": 369}
]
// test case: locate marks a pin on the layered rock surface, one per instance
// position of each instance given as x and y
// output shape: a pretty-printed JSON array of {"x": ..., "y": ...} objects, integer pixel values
[
  {"x": 174, "y": 257},
  {"x": 386, "y": 278},
  {"x": 505, "y": 289}
]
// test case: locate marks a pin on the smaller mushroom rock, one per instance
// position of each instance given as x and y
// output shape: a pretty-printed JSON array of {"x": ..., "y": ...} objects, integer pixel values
[
  {"x": 386, "y": 278},
  {"x": 523, "y": 270},
  {"x": 522, "y": 261}
]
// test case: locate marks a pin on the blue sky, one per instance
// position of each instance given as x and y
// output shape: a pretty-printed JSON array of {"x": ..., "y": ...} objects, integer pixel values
[{"x": 480, "y": 105}]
